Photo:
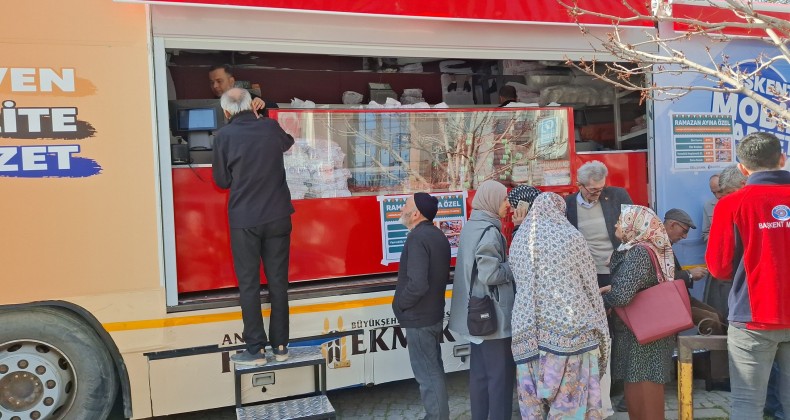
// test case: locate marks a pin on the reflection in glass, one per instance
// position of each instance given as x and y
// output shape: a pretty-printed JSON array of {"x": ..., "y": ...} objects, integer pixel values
[{"x": 372, "y": 152}]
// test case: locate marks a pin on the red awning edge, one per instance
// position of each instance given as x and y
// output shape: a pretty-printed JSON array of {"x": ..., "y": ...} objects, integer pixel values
[{"x": 499, "y": 11}]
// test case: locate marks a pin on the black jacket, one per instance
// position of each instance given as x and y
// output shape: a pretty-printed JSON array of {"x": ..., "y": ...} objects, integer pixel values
[
  {"x": 610, "y": 200},
  {"x": 683, "y": 274},
  {"x": 422, "y": 278},
  {"x": 248, "y": 159}
]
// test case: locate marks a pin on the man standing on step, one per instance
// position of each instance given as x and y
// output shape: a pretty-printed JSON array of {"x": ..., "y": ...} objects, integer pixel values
[
  {"x": 248, "y": 160},
  {"x": 419, "y": 299}
]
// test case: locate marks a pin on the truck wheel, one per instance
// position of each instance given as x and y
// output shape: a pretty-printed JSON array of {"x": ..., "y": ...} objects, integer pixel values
[{"x": 53, "y": 366}]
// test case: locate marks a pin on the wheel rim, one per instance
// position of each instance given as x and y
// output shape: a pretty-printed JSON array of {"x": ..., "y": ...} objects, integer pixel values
[{"x": 37, "y": 381}]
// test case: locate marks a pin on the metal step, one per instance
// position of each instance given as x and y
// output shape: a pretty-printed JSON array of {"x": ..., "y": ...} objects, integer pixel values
[
  {"x": 297, "y": 357},
  {"x": 316, "y": 407}
]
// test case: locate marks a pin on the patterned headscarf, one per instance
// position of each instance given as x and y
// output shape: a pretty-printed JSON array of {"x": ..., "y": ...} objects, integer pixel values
[
  {"x": 526, "y": 193},
  {"x": 641, "y": 226},
  {"x": 558, "y": 307},
  {"x": 489, "y": 196}
]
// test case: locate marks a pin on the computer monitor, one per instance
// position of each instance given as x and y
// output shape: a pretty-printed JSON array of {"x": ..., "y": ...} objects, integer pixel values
[{"x": 196, "y": 119}]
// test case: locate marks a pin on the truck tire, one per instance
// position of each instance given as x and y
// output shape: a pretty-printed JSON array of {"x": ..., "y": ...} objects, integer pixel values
[{"x": 53, "y": 366}]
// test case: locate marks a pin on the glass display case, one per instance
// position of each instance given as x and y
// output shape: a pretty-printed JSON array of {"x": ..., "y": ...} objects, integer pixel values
[{"x": 342, "y": 153}]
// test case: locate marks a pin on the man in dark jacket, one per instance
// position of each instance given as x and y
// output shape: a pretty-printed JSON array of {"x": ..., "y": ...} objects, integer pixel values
[
  {"x": 419, "y": 299},
  {"x": 248, "y": 160},
  {"x": 594, "y": 210},
  {"x": 677, "y": 224}
]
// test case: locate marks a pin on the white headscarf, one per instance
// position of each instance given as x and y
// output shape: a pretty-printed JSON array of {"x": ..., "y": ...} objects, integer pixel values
[
  {"x": 489, "y": 197},
  {"x": 558, "y": 307}
]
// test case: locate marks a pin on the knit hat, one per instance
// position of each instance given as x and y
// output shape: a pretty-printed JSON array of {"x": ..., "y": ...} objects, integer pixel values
[{"x": 427, "y": 204}]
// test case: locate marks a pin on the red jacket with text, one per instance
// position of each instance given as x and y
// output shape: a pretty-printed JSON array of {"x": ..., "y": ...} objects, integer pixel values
[{"x": 750, "y": 244}]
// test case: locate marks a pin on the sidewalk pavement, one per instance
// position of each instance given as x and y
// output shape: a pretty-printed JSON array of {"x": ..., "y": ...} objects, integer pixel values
[{"x": 401, "y": 401}]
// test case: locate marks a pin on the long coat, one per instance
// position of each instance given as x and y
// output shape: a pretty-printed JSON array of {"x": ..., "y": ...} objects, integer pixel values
[{"x": 482, "y": 241}]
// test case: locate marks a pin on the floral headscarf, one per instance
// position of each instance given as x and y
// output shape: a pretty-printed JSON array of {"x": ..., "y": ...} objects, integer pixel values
[
  {"x": 641, "y": 226},
  {"x": 558, "y": 307}
]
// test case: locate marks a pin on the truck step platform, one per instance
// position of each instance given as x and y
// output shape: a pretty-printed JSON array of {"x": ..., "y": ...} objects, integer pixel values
[
  {"x": 315, "y": 407},
  {"x": 297, "y": 357}
]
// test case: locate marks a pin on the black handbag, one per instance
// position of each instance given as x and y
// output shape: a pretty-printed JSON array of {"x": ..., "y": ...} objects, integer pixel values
[
  {"x": 481, "y": 320},
  {"x": 481, "y": 317}
]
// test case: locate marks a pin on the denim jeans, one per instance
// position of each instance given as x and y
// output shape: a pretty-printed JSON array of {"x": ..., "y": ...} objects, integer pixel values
[
  {"x": 752, "y": 354},
  {"x": 269, "y": 243},
  {"x": 425, "y": 355},
  {"x": 772, "y": 404}
]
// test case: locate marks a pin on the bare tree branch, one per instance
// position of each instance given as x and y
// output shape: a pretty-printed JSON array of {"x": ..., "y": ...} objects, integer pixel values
[{"x": 655, "y": 55}]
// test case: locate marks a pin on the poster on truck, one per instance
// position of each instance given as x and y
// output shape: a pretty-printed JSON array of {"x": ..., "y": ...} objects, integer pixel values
[
  {"x": 702, "y": 141},
  {"x": 450, "y": 219}
]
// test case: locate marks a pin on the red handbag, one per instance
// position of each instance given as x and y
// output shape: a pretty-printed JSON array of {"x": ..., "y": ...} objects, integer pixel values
[{"x": 659, "y": 311}]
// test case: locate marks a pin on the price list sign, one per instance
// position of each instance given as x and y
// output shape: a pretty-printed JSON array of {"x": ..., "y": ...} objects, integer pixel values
[{"x": 702, "y": 141}]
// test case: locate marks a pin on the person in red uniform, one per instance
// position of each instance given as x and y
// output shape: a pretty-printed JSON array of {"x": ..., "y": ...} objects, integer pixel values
[{"x": 750, "y": 244}]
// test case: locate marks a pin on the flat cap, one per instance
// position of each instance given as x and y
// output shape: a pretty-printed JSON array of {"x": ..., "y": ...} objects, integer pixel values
[{"x": 679, "y": 216}]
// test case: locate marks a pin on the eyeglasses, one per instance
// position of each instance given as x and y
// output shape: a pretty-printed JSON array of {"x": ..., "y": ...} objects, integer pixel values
[
  {"x": 685, "y": 228},
  {"x": 592, "y": 191}
]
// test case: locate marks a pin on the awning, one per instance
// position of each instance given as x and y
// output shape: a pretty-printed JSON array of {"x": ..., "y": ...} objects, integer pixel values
[
  {"x": 512, "y": 11},
  {"x": 706, "y": 12}
]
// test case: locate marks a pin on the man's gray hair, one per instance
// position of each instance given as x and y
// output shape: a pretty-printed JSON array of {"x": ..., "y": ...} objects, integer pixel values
[
  {"x": 236, "y": 100},
  {"x": 731, "y": 179},
  {"x": 591, "y": 171}
]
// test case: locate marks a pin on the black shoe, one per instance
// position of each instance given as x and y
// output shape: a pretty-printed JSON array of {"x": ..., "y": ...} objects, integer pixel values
[
  {"x": 452, "y": 86},
  {"x": 721, "y": 385},
  {"x": 280, "y": 353},
  {"x": 248, "y": 359},
  {"x": 621, "y": 406},
  {"x": 467, "y": 86}
]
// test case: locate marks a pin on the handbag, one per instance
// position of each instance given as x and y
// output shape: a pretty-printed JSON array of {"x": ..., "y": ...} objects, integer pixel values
[
  {"x": 481, "y": 314},
  {"x": 658, "y": 311}
]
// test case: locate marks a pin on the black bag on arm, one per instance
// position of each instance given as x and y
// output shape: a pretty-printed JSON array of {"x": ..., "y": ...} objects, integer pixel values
[{"x": 481, "y": 320}]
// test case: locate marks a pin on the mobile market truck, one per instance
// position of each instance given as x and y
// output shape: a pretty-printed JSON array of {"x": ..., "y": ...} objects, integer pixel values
[{"x": 117, "y": 277}]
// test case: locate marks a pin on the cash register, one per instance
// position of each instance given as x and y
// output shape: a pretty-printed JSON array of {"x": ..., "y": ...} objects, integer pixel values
[{"x": 198, "y": 123}]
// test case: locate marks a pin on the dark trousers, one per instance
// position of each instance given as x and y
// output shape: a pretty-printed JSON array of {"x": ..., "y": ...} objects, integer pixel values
[
  {"x": 425, "y": 354},
  {"x": 271, "y": 243},
  {"x": 492, "y": 376}
]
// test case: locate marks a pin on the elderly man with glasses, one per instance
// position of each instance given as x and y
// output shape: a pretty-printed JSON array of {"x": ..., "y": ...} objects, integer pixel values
[{"x": 594, "y": 210}]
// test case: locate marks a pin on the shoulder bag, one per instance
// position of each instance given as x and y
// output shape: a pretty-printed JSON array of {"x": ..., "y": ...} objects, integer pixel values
[
  {"x": 481, "y": 316},
  {"x": 658, "y": 311}
]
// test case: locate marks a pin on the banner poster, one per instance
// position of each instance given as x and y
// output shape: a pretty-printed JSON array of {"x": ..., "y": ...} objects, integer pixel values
[
  {"x": 450, "y": 219},
  {"x": 702, "y": 141}
]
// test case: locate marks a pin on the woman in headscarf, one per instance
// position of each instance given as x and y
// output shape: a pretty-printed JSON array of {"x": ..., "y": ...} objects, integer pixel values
[
  {"x": 482, "y": 269},
  {"x": 521, "y": 194},
  {"x": 644, "y": 368},
  {"x": 560, "y": 333}
]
